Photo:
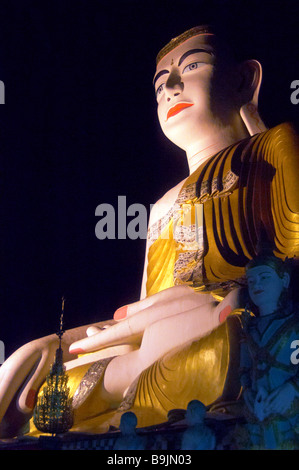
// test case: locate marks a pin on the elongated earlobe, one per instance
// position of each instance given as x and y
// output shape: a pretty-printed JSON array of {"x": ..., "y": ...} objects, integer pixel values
[{"x": 251, "y": 79}]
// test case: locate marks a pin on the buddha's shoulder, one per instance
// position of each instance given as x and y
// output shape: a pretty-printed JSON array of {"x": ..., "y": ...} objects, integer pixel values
[
  {"x": 272, "y": 145},
  {"x": 287, "y": 132},
  {"x": 278, "y": 146},
  {"x": 165, "y": 203}
]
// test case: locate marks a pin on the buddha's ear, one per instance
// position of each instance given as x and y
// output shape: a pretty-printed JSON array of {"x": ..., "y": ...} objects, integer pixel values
[{"x": 250, "y": 79}]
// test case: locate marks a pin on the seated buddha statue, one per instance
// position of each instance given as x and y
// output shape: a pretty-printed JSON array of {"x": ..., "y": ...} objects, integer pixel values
[{"x": 180, "y": 341}]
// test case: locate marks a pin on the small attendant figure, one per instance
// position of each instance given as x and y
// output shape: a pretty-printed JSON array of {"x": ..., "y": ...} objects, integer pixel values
[
  {"x": 269, "y": 378},
  {"x": 129, "y": 439},
  {"x": 198, "y": 436}
]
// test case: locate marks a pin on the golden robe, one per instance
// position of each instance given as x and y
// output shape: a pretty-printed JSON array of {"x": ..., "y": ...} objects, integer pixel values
[{"x": 246, "y": 187}]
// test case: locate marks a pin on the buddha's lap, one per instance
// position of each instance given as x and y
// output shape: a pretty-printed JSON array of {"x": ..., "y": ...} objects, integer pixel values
[{"x": 206, "y": 369}]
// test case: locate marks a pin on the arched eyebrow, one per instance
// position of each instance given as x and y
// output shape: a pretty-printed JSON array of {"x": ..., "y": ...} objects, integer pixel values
[
  {"x": 193, "y": 51},
  {"x": 184, "y": 56},
  {"x": 162, "y": 72}
]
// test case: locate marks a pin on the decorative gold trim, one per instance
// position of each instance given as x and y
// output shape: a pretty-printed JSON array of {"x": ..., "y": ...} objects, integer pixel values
[
  {"x": 89, "y": 381},
  {"x": 128, "y": 401}
]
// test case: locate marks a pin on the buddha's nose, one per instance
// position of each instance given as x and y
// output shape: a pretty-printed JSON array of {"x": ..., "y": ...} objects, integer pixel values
[{"x": 174, "y": 86}]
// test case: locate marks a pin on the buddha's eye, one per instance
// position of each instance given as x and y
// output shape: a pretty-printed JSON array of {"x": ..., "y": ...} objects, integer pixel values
[
  {"x": 193, "y": 66},
  {"x": 160, "y": 90}
]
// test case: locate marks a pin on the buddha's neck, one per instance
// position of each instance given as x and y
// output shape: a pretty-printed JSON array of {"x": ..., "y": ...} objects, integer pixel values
[
  {"x": 196, "y": 159},
  {"x": 202, "y": 150}
]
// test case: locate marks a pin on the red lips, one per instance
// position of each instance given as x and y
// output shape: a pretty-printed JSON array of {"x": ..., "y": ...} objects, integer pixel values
[{"x": 177, "y": 109}]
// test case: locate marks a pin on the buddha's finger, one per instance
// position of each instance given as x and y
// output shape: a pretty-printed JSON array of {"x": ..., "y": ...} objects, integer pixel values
[
  {"x": 134, "y": 326},
  {"x": 93, "y": 330},
  {"x": 131, "y": 309},
  {"x": 114, "y": 335},
  {"x": 170, "y": 294}
]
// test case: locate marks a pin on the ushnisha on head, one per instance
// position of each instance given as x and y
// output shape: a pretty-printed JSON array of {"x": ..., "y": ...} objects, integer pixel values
[
  {"x": 268, "y": 279},
  {"x": 202, "y": 91}
]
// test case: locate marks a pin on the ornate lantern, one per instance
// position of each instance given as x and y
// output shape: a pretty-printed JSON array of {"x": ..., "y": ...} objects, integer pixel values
[{"x": 53, "y": 412}]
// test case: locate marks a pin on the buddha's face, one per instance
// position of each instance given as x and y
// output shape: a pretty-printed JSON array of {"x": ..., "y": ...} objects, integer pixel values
[
  {"x": 265, "y": 286},
  {"x": 194, "y": 90}
]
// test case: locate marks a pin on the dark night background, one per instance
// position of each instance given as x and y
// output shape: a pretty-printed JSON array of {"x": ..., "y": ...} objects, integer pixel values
[{"x": 79, "y": 128}]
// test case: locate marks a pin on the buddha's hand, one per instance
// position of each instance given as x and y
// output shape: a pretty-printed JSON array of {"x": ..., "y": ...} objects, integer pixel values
[
  {"x": 133, "y": 319},
  {"x": 21, "y": 376},
  {"x": 280, "y": 400}
]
